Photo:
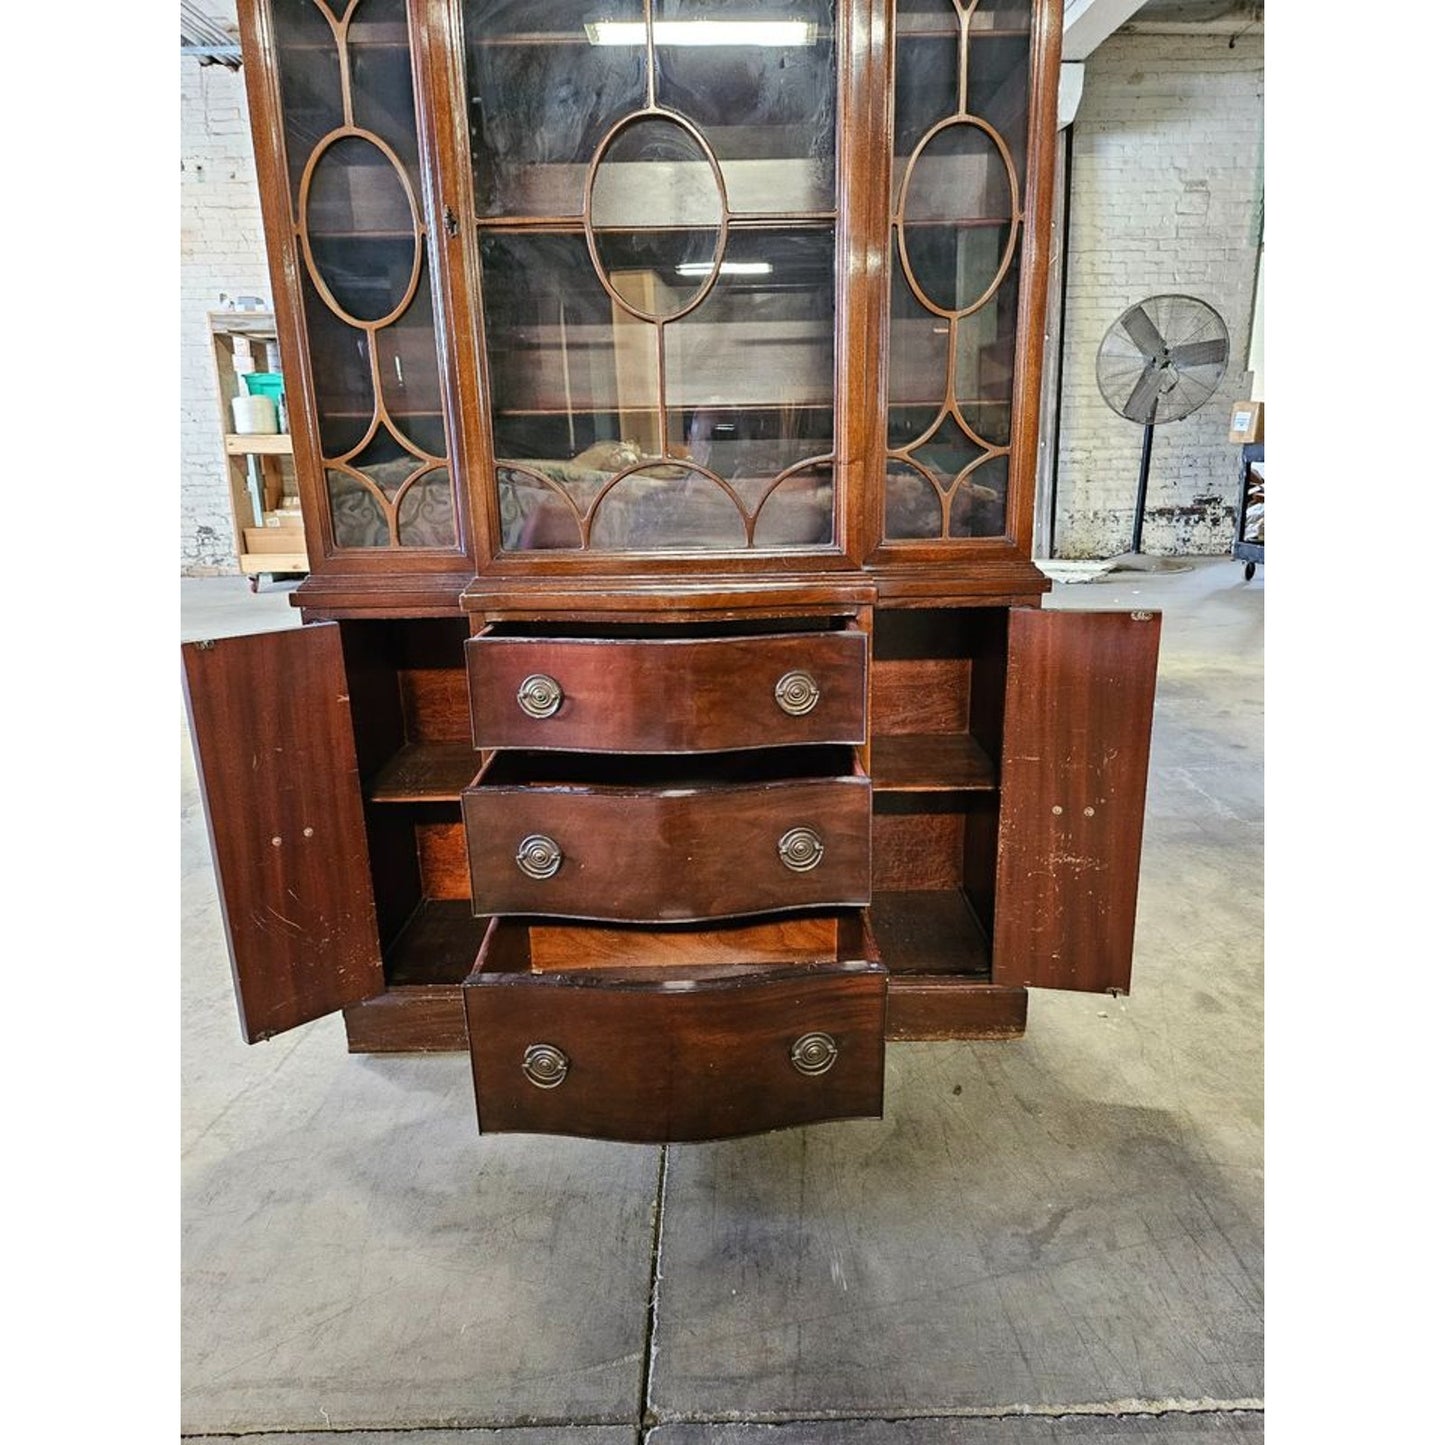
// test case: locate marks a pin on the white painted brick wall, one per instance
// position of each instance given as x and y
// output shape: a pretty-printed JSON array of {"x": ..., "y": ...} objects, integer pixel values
[
  {"x": 222, "y": 250},
  {"x": 1168, "y": 191}
]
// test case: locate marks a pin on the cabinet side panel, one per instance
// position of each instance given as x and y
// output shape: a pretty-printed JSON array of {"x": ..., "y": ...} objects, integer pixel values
[
  {"x": 271, "y": 722},
  {"x": 1077, "y": 715}
]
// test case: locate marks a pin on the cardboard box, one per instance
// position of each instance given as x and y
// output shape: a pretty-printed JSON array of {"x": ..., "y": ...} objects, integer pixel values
[{"x": 1246, "y": 422}]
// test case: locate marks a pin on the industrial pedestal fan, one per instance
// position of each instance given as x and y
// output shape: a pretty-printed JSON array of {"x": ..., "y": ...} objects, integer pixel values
[{"x": 1160, "y": 361}]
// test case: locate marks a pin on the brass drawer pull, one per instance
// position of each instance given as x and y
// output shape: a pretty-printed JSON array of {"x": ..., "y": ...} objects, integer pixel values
[
  {"x": 546, "y": 1066},
  {"x": 539, "y": 695},
  {"x": 796, "y": 693},
  {"x": 538, "y": 856},
  {"x": 801, "y": 849},
  {"x": 814, "y": 1053}
]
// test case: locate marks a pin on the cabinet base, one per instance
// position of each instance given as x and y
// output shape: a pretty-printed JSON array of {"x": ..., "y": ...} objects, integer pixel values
[{"x": 429, "y": 1019}]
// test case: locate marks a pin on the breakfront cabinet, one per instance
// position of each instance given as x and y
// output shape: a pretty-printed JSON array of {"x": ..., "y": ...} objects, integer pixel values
[{"x": 675, "y": 720}]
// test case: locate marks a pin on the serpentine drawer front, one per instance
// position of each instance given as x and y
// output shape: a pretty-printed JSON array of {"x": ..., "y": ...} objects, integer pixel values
[
  {"x": 672, "y": 841},
  {"x": 649, "y": 1056},
  {"x": 667, "y": 694}
]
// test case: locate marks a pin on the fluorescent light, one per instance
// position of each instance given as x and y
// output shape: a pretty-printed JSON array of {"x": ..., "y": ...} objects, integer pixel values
[
  {"x": 728, "y": 268},
  {"x": 703, "y": 32}
]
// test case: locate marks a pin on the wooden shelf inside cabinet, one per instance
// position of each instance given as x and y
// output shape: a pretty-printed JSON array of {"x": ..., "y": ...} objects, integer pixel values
[
  {"x": 933, "y": 932},
  {"x": 425, "y": 773},
  {"x": 275, "y": 444},
  {"x": 931, "y": 763}
]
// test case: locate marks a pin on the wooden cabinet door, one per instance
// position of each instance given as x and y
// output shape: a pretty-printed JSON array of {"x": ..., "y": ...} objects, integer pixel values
[
  {"x": 1077, "y": 711},
  {"x": 271, "y": 723}
]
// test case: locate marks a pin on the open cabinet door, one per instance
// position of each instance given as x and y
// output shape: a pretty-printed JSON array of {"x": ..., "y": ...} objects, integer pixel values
[
  {"x": 1077, "y": 712},
  {"x": 271, "y": 723}
]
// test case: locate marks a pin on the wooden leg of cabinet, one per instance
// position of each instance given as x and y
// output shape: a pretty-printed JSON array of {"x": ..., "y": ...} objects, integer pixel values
[{"x": 945, "y": 1008}]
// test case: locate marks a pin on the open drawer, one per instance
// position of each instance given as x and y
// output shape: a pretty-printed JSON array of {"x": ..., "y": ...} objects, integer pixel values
[
  {"x": 667, "y": 690},
  {"x": 668, "y": 839},
  {"x": 675, "y": 1054}
]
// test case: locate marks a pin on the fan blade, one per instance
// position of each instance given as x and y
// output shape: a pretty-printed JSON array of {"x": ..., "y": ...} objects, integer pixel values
[
  {"x": 1200, "y": 353},
  {"x": 1143, "y": 332},
  {"x": 1141, "y": 401}
]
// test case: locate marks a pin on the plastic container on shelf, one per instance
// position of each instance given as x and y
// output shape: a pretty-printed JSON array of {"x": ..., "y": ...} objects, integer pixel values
[
  {"x": 265, "y": 383},
  {"x": 254, "y": 415}
]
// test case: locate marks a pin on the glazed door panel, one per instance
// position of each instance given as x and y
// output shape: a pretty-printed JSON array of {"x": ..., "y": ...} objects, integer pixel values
[
  {"x": 970, "y": 185},
  {"x": 340, "y": 161},
  {"x": 655, "y": 192},
  {"x": 271, "y": 724},
  {"x": 1078, "y": 707}
]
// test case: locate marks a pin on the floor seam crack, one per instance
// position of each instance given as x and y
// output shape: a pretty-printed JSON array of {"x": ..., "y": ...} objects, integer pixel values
[{"x": 646, "y": 1416}]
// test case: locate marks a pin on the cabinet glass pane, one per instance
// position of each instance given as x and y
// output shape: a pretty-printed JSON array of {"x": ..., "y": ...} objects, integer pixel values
[
  {"x": 658, "y": 272},
  {"x": 349, "y": 117},
  {"x": 542, "y": 96},
  {"x": 961, "y": 96},
  {"x": 764, "y": 88}
]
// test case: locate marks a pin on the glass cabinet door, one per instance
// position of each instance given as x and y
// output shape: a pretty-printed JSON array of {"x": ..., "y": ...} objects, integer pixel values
[
  {"x": 960, "y": 137},
  {"x": 656, "y": 198},
  {"x": 350, "y": 128}
]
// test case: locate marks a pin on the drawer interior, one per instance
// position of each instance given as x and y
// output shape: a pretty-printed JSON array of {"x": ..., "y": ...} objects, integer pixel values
[
  {"x": 513, "y": 768},
  {"x": 519, "y": 945}
]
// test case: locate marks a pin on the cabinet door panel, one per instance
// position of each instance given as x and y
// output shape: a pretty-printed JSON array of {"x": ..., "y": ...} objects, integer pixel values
[
  {"x": 1077, "y": 711},
  {"x": 271, "y": 723}
]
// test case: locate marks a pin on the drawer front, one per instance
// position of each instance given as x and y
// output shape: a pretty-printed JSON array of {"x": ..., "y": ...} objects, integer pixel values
[
  {"x": 668, "y": 695},
  {"x": 677, "y": 1060},
  {"x": 669, "y": 856}
]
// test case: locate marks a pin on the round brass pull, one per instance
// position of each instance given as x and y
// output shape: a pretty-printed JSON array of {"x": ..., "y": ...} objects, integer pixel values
[
  {"x": 538, "y": 856},
  {"x": 801, "y": 849},
  {"x": 545, "y": 1065},
  {"x": 814, "y": 1053},
  {"x": 796, "y": 693},
  {"x": 539, "y": 695}
]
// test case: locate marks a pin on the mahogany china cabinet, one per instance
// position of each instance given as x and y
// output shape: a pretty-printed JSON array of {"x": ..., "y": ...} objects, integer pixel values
[{"x": 675, "y": 720}]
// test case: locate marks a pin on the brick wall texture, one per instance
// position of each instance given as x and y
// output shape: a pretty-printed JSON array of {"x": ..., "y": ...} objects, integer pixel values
[
  {"x": 222, "y": 250},
  {"x": 1168, "y": 197}
]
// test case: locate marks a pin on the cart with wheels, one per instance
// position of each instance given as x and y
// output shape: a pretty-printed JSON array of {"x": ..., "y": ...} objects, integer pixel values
[{"x": 1249, "y": 523}]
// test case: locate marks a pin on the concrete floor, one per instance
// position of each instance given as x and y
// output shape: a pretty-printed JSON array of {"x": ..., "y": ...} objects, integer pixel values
[{"x": 1051, "y": 1240}]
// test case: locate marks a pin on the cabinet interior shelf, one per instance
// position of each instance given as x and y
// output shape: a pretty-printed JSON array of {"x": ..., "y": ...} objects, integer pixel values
[
  {"x": 739, "y": 221},
  {"x": 932, "y": 932},
  {"x": 931, "y": 763},
  {"x": 258, "y": 444},
  {"x": 425, "y": 773}
]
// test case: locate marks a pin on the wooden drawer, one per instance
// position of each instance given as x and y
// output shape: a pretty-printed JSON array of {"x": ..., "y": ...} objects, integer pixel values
[
  {"x": 668, "y": 694},
  {"x": 566, "y": 836},
  {"x": 655, "y": 1056}
]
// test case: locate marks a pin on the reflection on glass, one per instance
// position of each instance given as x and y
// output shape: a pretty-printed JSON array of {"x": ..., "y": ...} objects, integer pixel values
[
  {"x": 310, "y": 76},
  {"x": 766, "y": 97},
  {"x": 541, "y": 98}
]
